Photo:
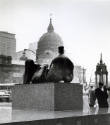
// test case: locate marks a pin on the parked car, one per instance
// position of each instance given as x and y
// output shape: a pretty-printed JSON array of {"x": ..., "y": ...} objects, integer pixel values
[{"x": 5, "y": 96}]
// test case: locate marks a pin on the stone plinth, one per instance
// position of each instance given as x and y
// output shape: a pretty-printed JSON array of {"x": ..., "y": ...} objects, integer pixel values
[{"x": 48, "y": 96}]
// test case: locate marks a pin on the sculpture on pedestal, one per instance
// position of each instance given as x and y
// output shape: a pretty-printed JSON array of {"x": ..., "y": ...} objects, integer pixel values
[{"x": 61, "y": 69}]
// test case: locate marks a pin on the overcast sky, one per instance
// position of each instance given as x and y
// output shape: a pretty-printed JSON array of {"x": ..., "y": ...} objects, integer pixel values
[{"x": 83, "y": 26}]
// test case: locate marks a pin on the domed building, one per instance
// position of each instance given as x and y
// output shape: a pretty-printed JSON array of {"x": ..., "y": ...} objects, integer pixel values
[
  {"x": 47, "y": 50},
  {"x": 48, "y": 46}
]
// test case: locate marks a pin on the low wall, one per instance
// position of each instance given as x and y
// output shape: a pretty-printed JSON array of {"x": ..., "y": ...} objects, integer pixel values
[
  {"x": 96, "y": 119},
  {"x": 48, "y": 96}
]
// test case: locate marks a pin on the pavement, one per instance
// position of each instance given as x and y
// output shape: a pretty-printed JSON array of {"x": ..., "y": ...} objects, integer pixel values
[{"x": 8, "y": 115}]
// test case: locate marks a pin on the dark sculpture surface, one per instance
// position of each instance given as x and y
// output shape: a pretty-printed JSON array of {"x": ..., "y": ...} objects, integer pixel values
[
  {"x": 40, "y": 75},
  {"x": 34, "y": 73},
  {"x": 29, "y": 71},
  {"x": 61, "y": 69}
]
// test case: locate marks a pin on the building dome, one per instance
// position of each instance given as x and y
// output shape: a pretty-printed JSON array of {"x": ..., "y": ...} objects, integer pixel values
[{"x": 48, "y": 45}]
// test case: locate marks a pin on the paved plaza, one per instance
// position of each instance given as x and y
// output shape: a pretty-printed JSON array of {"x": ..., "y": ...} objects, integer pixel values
[{"x": 8, "y": 115}]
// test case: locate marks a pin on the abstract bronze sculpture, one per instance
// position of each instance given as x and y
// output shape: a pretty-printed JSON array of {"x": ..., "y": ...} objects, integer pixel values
[
  {"x": 61, "y": 69},
  {"x": 34, "y": 73}
]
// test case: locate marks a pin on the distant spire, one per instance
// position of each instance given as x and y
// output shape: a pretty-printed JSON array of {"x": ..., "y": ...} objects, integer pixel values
[
  {"x": 50, "y": 27},
  {"x": 101, "y": 61}
]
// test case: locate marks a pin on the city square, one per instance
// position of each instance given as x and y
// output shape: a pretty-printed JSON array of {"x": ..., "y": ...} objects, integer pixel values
[{"x": 59, "y": 76}]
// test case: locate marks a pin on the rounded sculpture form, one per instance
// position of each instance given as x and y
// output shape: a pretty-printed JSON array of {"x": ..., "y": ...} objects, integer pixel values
[
  {"x": 61, "y": 68},
  {"x": 34, "y": 73},
  {"x": 40, "y": 75}
]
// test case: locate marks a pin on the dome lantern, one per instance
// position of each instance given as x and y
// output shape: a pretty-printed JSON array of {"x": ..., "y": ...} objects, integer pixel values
[{"x": 50, "y": 27}]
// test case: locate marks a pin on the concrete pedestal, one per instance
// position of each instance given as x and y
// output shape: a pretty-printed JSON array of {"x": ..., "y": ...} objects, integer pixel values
[{"x": 48, "y": 96}]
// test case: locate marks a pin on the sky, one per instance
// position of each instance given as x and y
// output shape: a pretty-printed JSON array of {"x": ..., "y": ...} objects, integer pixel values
[{"x": 83, "y": 25}]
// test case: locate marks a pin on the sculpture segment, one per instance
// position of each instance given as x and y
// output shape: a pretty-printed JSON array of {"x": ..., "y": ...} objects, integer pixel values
[{"x": 61, "y": 69}]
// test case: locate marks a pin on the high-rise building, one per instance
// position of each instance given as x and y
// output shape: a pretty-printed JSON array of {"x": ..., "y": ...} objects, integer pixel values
[
  {"x": 7, "y": 44},
  {"x": 10, "y": 73}
]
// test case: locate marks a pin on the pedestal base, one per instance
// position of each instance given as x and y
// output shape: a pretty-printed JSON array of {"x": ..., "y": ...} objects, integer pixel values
[{"x": 48, "y": 96}]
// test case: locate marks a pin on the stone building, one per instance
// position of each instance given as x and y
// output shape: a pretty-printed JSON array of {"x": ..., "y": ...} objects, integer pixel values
[
  {"x": 9, "y": 72},
  {"x": 7, "y": 44},
  {"x": 25, "y": 54},
  {"x": 48, "y": 44}
]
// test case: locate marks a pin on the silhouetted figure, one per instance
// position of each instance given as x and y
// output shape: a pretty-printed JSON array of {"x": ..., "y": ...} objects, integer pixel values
[
  {"x": 92, "y": 97},
  {"x": 61, "y": 68},
  {"x": 103, "y": 110},
  {"x": 102, "y": 96}
]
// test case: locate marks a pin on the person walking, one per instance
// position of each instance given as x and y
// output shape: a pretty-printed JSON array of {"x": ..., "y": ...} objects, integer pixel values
[
  {"x": 92, "y": 97},
  {"x": 102, "y": 96}
]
